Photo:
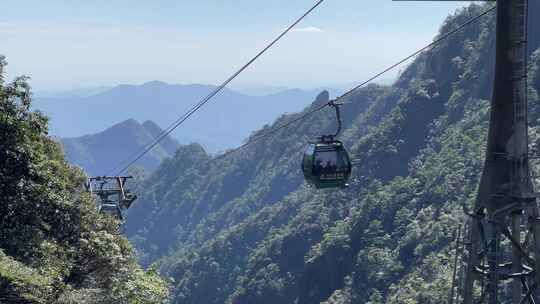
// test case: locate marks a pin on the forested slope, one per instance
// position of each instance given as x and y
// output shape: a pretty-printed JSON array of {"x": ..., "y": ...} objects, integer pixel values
[
  {"x": 245, "y": 229},
  {"x": 54, "y": 246},
  {"x": 213, "y": 194}
]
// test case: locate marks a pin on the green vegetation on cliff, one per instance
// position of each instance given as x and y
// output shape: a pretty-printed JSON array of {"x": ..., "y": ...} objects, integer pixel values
[
  {"x": 245, "y": 229},
  {"x": 54, "y": 246}
]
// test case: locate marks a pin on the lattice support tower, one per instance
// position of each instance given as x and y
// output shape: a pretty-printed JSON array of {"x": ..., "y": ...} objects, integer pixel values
[{"x": 503, "y": 264}]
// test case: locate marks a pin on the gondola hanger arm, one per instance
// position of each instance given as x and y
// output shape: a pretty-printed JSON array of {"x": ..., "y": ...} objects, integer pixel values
[{"x": 336, "y": 106}]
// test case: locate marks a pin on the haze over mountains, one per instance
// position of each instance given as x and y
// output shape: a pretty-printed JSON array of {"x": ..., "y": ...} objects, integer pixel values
[
  {"x": 244, "y": 228},
  {"x": 239, "y": 228},
  {"x": 224, "y": 123}
]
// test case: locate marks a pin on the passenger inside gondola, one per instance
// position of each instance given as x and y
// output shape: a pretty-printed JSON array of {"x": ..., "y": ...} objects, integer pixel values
[{"x": 326, "y": 162}]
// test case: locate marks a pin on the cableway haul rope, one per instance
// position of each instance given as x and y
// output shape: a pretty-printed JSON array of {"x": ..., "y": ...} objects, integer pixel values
[
  {"x": 336, "y": 100},
  {"x": 253, "y": 140},
  {"x": 195, "y": 108}
]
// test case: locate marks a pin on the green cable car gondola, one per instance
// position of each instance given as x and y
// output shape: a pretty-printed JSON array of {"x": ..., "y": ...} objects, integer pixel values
[{"x": 326, "y": 163}]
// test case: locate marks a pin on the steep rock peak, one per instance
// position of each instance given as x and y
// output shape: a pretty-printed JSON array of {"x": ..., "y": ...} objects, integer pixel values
[{"x": 322, "y": 98}]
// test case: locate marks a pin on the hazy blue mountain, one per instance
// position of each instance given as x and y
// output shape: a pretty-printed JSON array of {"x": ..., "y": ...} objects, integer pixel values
[
  {"x": 99, "y": 153},
  {"x": 223, "y": 123}
]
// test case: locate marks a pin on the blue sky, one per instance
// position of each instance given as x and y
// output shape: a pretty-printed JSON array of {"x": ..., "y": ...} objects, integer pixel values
[{"x": 72, "y": 44}]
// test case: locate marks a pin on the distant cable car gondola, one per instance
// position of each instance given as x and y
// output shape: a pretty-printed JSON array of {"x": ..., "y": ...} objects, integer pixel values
[
  {"x": 326, "y": 163},
  {"x": 112, "y": 196}
]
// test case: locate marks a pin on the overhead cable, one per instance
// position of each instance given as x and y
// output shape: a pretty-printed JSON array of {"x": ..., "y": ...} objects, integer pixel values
[
  {"x": 214, "y": 92},
  {"x": 369, "y": 80}
]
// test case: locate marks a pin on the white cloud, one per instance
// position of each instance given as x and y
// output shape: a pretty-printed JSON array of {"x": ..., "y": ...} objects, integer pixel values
[{"x": 308, "y": 29}]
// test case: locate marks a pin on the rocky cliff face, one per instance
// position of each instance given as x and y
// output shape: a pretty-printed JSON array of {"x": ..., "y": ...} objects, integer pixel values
[{"x": 245, "y": 228}]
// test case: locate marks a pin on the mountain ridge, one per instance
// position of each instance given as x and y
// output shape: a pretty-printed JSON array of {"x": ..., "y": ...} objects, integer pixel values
[
  {"x": 98, "y": 153},
  {"x": 247, "y": 229},
  {"x": 220, "y": 126}
]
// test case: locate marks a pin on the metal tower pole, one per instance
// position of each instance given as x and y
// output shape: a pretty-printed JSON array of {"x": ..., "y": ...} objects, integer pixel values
[{"x": 505, "y": 231}]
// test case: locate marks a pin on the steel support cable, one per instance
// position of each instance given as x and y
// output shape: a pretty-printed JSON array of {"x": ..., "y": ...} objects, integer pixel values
[
  {"x": 434, "y": 43},
  {"x": 147, "y": 146},
  {"x": 206, "y": 99},
  {"x": 302, "y": 117},
  {"x": 369, "y": 80}
]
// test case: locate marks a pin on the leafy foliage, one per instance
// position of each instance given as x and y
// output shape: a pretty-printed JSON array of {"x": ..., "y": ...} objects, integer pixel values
[{"x": 54, "y": 246}]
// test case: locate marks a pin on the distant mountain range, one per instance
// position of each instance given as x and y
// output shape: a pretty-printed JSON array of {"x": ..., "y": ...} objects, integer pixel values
[
  {"x": 223, "y": 123},
  {"x": 101, "y": 152}
]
